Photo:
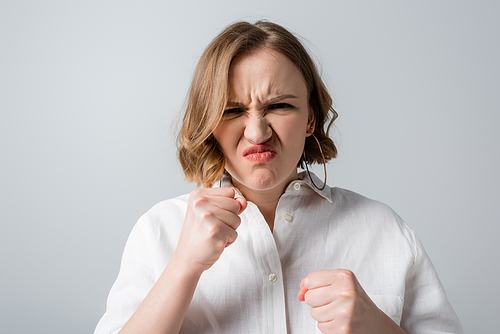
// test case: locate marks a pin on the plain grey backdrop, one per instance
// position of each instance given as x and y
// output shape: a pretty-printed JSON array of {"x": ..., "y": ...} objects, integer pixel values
[{"x": 89, "y": 91}]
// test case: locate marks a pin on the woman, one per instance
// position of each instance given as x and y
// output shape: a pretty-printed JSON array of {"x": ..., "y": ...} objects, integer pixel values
[{"x": 263, "y": 248}]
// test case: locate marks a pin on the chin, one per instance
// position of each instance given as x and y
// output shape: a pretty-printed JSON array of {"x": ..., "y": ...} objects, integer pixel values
[{"x": 261, "y": 180}]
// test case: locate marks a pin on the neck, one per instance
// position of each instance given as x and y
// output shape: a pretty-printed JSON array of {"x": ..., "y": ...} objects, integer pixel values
[
  {"x": 267, "y": 204},
  {"x": 266, "y": 200}
]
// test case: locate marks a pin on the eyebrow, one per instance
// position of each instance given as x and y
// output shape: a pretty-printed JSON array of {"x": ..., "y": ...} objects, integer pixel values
[{"x": 271, "y": 101}]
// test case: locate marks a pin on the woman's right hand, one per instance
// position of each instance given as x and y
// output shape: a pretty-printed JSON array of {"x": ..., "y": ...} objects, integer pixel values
[{"x": 210, "y": 225}]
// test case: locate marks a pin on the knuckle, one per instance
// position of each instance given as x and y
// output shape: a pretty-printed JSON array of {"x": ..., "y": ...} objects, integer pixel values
[
  {"x": 345, "y": 274},
  {"x": 307, "y": 281},
  {"x": 231, "y": 192},
  {"x": 206, "y": 215},
  {"x": 199, "y": 202},
  {"x": 220, "y": 244},
  {"x": 231, "y": 238},
  {"x": 195, "y": 193},
  {"x": 213, "y": 230},
  {"x": 348, "y": 296},
  {"x": 237, "y": 222},
  {"x": 235, "y": 206}
]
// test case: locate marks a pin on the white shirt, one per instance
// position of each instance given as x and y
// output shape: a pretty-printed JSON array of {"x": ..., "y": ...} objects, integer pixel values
[{"x": 253, "y": 287}]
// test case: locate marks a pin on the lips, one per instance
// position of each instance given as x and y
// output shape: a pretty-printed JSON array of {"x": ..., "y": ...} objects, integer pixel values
[{"x": 260, "y": 153}]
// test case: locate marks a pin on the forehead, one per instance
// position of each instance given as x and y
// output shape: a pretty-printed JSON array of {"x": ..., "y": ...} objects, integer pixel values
[{"x": 264, "y": 71}]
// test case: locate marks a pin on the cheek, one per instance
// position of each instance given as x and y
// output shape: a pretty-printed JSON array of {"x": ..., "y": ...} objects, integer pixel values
[
  {"x": 293, "y": 131},
  {"x": 226, "y": 135}
]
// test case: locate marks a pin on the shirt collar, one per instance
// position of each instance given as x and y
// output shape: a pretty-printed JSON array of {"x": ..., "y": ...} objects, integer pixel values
[
  {"x": 226, "y": 182},
  {"x": 303, "y": 178},
  {"x": 326, "y": 193}
]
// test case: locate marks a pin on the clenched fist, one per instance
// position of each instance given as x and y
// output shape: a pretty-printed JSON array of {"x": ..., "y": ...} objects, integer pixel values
[
  {"x": 341, "y": 306},
  {"x": 210, "y": 225}
]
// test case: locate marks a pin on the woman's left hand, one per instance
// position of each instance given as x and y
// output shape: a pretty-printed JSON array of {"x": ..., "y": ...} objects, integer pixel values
[{"x": 341, "y": 306}]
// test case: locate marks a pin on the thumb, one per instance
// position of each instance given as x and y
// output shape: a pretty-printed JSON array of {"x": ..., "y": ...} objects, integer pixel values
[
  {"x": 302, "y": 294},
  {"x": 243, "y": 204}
]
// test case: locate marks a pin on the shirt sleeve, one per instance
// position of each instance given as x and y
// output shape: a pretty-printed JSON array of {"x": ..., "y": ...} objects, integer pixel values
[
  {"x": 134, "y": 281},
  {"x": 426, "y": 308}
]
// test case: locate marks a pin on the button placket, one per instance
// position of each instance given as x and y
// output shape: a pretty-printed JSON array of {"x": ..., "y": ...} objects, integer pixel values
[{"x": 268, "y": 261}]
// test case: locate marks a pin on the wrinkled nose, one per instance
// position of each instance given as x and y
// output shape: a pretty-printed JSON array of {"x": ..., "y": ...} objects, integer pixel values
[{"x": 257, "y": 130}]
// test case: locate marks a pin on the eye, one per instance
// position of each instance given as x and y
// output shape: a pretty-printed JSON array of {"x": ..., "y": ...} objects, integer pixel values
[
  {"x": 233, "y": 112},
  {"x": 280, "y": 106}
]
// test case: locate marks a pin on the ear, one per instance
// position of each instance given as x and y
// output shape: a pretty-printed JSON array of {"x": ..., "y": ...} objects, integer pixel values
[{"x": 311, "y": 123}]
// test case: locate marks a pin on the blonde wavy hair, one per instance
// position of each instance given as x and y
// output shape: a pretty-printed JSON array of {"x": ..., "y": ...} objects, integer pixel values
[{"x": 200, "y": 156}]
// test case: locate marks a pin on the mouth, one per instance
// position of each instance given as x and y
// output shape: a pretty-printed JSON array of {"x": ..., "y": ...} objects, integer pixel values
[{"x": 260, "y": 153}]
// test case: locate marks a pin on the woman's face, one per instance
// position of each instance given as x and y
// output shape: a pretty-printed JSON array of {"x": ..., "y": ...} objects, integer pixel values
[{"x": 266, "y": 121}]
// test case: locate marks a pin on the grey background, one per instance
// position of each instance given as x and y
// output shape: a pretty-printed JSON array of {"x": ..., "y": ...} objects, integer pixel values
[{"x": 89, "y": 90}]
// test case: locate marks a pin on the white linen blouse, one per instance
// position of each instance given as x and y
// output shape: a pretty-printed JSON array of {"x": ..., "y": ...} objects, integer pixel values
[{"x": 253, "y": 287}]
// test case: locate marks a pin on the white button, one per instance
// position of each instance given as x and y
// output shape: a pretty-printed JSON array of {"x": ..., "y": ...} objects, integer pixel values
[
  {"x": 273, "y": 277},
  {"x": 296, "y": 186},
  {"x": 288, "y": 218}
]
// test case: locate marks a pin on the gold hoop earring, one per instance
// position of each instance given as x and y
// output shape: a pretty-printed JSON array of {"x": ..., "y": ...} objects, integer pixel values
[{"x": 324, "y": 164}]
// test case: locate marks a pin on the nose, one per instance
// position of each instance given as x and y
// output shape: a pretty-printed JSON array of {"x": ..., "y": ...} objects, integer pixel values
[{"x": 257, "y": 130}]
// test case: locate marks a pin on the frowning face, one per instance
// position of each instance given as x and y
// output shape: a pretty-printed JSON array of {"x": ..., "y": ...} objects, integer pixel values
[{"x": 266, "y": 121}]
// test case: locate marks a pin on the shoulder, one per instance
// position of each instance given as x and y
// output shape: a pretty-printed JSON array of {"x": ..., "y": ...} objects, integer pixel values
[
  {"x": 165, "y": 214},
  {"x": 168, "y": 207},
  {"x": 352, "y": 201},
  {"x": 370, "y": 214}
]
